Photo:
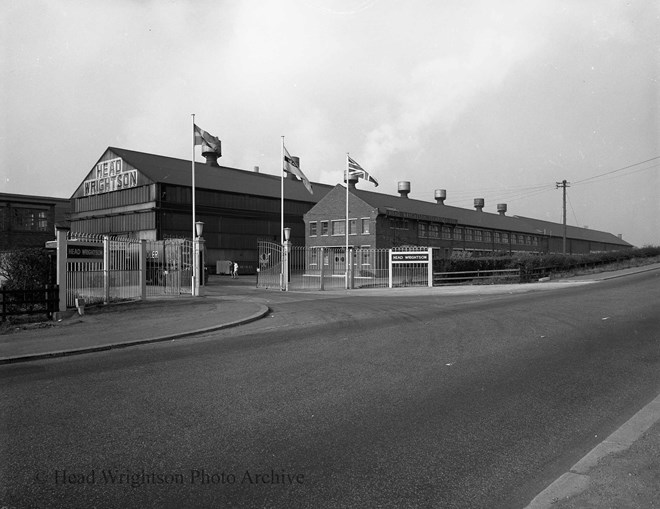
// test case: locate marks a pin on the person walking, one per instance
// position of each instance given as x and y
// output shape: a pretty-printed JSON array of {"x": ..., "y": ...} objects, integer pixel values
[{"x": 235, "y": 272}]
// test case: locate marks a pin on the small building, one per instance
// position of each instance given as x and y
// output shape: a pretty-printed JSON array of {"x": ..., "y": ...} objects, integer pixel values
[
  {"x": 29, "y": 221},
  {"x": 148, "y": 196},
  {"x": 378, "y": 220}
]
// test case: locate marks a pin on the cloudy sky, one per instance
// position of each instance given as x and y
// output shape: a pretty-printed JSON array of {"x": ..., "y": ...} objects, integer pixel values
[{"x": 499, "y": 99}]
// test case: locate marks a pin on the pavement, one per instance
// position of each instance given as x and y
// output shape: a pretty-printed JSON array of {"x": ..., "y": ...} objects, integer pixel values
[{"x": 621, "y": 472}]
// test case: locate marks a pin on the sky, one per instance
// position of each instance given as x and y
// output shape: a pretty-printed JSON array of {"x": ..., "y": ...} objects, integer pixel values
[{"x": 493, "y": 99}]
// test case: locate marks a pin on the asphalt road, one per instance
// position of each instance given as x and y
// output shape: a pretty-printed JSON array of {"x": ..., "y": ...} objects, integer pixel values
[{"x": 353, "y": 402}]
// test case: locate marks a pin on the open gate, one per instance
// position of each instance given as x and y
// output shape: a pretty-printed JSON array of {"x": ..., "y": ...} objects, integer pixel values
[{"x": 269, "y": 271}]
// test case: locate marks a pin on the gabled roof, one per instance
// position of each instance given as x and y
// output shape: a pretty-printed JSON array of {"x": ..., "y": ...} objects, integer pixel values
[
  {"x": 476, "y": 219},
  {"x": 170, "y": 170},
  {"x": 573, "y": 232},
  {"x": 462, "y": 216}
]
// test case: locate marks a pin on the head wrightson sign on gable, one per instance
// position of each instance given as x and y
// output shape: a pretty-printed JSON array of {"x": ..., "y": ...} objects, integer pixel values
[{"x": 110, "y": 176}]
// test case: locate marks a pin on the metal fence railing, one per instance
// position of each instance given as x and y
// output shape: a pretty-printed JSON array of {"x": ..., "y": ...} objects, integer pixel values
[{"x": 480, "y": 276}]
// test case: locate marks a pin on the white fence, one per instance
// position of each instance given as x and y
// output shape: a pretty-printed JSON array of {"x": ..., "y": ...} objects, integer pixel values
[
  {"x": 326, "y": 268},
  {"x": 103, "y": 269}
]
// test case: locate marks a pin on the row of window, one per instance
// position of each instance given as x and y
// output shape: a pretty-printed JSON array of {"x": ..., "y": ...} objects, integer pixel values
[
  {"x": 433, "y": 231},
  {"x": 425, "y": 230},
  {"x": 338, "y": 227},
  {"x": 25, "y": 219}
]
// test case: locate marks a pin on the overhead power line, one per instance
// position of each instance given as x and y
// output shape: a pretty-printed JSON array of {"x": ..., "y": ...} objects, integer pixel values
[{"x": 615, "y": 171}]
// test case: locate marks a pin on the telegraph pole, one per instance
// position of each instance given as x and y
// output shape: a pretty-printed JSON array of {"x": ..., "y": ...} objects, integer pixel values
[{"x": 563, "y": 184}]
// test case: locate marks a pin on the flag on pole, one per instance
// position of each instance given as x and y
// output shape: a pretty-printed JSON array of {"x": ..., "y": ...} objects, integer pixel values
[
  {"x": 355, "y": 170},
  {"x": 291, "y": 166},
  {"x": 204, "y": 138}
]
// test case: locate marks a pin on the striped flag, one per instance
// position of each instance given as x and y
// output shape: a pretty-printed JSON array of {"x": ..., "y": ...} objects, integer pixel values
[
  {"x": 355, "y": 170},
  {"x": 291, "y": 166},
  {"x": 204, "y": 138}
]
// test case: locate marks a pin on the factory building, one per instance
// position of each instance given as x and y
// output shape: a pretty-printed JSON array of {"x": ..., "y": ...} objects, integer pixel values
[
  {"x": 384, "y": 221},
  {"x": 149, "y": 196},
  {"x": 29, "y": 221}
]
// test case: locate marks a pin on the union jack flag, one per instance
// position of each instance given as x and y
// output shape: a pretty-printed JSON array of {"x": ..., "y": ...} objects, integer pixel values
[{"x": 355, "y": 170}]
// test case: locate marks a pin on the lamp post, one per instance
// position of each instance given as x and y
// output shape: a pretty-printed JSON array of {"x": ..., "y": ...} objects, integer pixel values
[
  {"x": 199, "y": 229},
  {"x": 285, "y": 258}
]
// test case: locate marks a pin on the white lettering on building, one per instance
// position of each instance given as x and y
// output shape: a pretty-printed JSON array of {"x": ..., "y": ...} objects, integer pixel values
[{"x": 110, "y": 176}]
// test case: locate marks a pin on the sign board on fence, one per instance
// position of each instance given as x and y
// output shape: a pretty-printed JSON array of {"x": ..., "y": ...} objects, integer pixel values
[
  {"x": 421, "y": 257},
  {"x": 84, "y": 252}
]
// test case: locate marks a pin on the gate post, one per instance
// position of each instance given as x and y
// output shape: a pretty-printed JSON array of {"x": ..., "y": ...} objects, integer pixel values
[
  {"x": 389, "y": 266},
  {"x": 61, "y": 233},
  {"x": 106, "y": 269},
  {"x": 351, "y": 253},
  {"x": 322, "y": 271},
  {"x": 143, "y": 269},
  {"x": 430, "y": 271}
]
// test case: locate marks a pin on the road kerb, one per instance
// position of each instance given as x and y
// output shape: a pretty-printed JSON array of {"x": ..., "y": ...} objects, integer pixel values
[
  {"x": 577, "y": 479},
  {"x": 263, "y": 311}
]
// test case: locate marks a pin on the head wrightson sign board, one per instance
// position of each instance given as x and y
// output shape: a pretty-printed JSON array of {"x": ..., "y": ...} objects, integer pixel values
[{"x": 110, "y": 176}]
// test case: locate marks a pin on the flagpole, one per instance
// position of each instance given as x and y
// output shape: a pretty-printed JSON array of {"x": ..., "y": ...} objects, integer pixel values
[
  {"x": 194, "y": 267},
  {"x": 346, "y": 253},
  {"x": 282, "y": 210}
]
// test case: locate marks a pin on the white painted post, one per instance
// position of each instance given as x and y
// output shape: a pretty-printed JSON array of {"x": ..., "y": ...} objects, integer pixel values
[
  {"x": 61, "y": 265},
  {"x": 430, "y": 267},
  {"x": 106, "y": 269},
  {"x": 389, "y": 258},
  {"x": 195, "y": 267},
  {"x": 201, "y": 284},
  {"x": 143, "y": 269},
  {"x": 322, "y": 270}
]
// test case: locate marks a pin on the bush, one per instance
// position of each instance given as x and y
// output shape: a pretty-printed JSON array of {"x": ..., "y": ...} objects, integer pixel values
[{"x": 25, "y": 269}]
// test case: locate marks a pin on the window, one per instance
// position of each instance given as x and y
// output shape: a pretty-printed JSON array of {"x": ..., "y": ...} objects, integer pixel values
[
  {"x": 312, "y": 228},
  {"x": 458, "y": 233},
  {"x": 365, "y": 225},
  {"x": 352, "y": 226},
  {"x": 398, "y": 224},
  {"x": 469, "y": 233},
  {"x": 446, "y": 232},
  {"x": 487, "y": 236},
  {"x": 339, "y": 227},
  {"x": 505, "y": 238},
  {"x": 422, "y": 230},
  {"x": 433, "y": 231},
  {"x": 324, "y": 227},
  {"x": 478, "y": 235},
  {"x": 29, "y": 219},
  {"x": 497, "y": 237}
]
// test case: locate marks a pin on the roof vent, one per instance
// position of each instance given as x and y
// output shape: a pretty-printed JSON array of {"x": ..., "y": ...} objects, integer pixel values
[
  {"x": 501, "y": 209},
  {"x": 440, "y": 196},
  {"x": 211, "y": 155},
  {"x": 352, "y": 180},
  {"x": 404, "y": 188},
  {"x": 256, "y": 169},
  {"x": 479, "y": 204}
]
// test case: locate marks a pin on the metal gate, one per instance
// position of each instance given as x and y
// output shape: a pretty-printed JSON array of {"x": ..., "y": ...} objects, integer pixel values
[
  {"x": 269, "y": 271},
  {"x": 169, "y": 267}
]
